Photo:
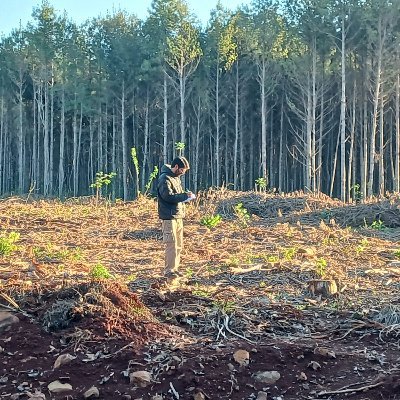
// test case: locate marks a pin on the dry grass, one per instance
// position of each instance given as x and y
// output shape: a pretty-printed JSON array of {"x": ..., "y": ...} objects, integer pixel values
[{"x": 244, "y": 264}]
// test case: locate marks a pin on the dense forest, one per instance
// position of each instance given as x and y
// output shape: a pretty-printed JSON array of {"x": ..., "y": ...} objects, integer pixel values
[{"x": 281, "y": 95}]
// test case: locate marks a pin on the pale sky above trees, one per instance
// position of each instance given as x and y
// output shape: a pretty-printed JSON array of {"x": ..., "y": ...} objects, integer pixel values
[{"x": 14, "y": 11}]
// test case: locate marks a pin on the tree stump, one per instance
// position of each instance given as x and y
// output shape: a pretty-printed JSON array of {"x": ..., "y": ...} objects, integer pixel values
[{"x": 322, "y": 287}]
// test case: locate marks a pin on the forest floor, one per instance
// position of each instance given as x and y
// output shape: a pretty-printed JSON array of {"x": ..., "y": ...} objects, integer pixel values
[{"x": 289, "y": 297}]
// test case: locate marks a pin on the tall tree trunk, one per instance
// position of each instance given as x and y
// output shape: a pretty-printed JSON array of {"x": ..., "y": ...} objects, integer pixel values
[
  {"x": 343, "y": 119},
  {"x": 251, "y": 158},
  {"x": 75, "y": 149},
  {"x": 7, "y": 159},
  {"x": 381, "y": 151},
  {"x": 196, "y": 159},
  {"x": 236, "y": 142},
  {"x": 124, "y": 145},
  {"x": 146, "y": 142},
  {"x": 100, "y": 140},
  {"x": 46, "y": 142},
  {"x": 308, "y": 141},
  {"x": 212, "y": 159},
  {"x": 242, "y": 158},
  {"x": 217, "y": 130},
  {"x": 262, "y": 79},
  {"x": 40, "y": 130},
  {"x": 114, "y": 148},
  {"x": 21, "y": 167},
  {"x": 78, "y": 155},
  {"x": 105, "y": 141},
  {"x": 91, "y": 151},
  {"x": 2, "y": 124},
  {"x": 51, "y": 137},
  {"x": 62, "y": 147},
  {"x": 34, "y": 139},
  {"x": 320, "y": 137},
  {"x": 165, "y": 125},
  {"x": 272, "y": 170},
  {"x": 313, "y": 114},
  {"x": 391, "y": 153},
  {"x": 280, "y": 160},
  {"x": 334, "y": 166},
  {"x": 227, "y": 180},
  {"x": 397, "y": 140},
  {"x": 377, "y": 94},
  {"x": 364, "y": 159},
  {"x": 350, "y": 181},
  {"x": 182, "y": 92}
]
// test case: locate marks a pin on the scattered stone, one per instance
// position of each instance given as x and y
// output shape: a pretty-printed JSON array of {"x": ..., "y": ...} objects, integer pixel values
[
  {"x": 157, "y": 397},
  {"x": 36, "y": 396},
  {"x": 58, "y": 387},
  {"x": 199, "y": 396},
  {"x": 322, "y": 287},
  {"x": 302, "y": 377},
  {"x": 91, "y": 393},
  {"x": 261, "y": 396},
  {"x": 306, "y": 251},
  {"x": 242, "y": 357},
  {"x": 140, "y": 378},
  {"x": 323, "y": 351},
  {"x": 314, "y": 365},
  {"x": 6, "y": 320},
  {"x": 231, "y": 367},
  {"x": 63, "y": 359},
  {"x": 268, "y": 377}
]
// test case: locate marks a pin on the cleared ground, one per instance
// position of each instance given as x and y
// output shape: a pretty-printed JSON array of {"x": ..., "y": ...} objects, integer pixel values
[{"x": 85, "y": 281}]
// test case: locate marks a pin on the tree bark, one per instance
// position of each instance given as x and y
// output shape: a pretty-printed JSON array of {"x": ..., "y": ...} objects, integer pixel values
[
  {"x": 124, "y": 146},
  {"x": 343, "y": 118},
  {"x": 62, "y": 147},
  {"x": 397, "y": 136}
]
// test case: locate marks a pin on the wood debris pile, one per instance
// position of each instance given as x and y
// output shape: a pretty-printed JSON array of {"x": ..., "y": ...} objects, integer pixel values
[{"x": 308, "y": 208}]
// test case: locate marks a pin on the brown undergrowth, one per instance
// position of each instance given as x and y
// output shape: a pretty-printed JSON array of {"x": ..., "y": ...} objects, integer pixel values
[{"x": 86, "y": 278}]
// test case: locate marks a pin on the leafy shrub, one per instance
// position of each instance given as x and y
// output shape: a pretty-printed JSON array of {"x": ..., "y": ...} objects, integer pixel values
[
  {"x": 261, "y": 183},
  {"x": 101, "y": 180},
  {"x": 378, "y": 225},
  {"x": 289, "y": 253},
  {"x": 321, "y": 266},
  {"x": 153, "y": 176},
  {"x": 211, "y": 221},
  {"x": 49, "y": 251},
  {"x": 242, "y": 214},
  {"x": 99, "y": 271},
  {"x": 7, "y": 243}
]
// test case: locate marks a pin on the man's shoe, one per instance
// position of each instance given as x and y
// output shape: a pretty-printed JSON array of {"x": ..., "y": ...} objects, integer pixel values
[{"x": 171, "y": 275}]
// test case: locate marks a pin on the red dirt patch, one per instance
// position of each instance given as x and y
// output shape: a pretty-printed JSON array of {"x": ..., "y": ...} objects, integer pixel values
[{"x": 29, "y": 353}]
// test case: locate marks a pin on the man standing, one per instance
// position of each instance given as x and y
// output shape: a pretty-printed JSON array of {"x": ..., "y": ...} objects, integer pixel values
[{"x": 171, "y": 211}]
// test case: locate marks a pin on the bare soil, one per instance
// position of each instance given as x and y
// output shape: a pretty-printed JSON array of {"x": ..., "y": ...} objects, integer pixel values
[{"x": 86, "y": 281}]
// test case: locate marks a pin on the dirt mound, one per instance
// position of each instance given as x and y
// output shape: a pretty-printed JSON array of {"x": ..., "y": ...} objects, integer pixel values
[
  {"x": 387, "y": 211},
  {"x": 308, "y": 208},
  {"x": 107, "y": 308}
]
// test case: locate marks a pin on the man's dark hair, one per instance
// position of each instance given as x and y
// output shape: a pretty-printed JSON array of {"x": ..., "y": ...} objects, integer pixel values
[{"x": 181, "y": 162}]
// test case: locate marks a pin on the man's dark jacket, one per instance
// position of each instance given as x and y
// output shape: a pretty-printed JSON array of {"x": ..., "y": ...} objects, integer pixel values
[{"x": 170, "y": 195}]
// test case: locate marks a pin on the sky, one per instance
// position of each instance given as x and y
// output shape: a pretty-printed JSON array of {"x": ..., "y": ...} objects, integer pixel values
[{"x": 14, "y": 11}]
